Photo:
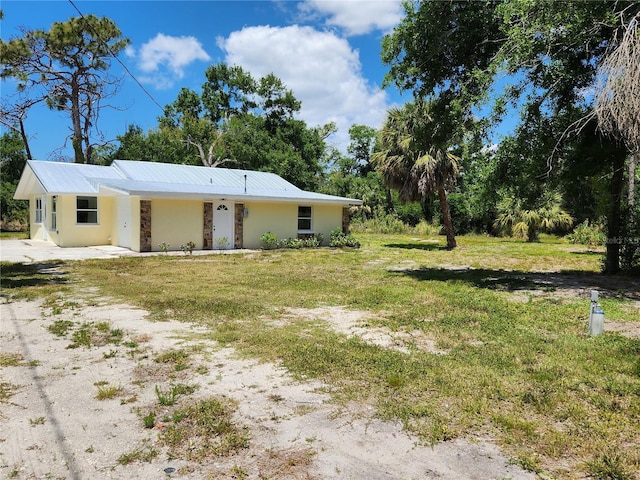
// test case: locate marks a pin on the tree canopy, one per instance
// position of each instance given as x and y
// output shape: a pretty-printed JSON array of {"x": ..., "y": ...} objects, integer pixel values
[
  {"x": 546, "y": 55},
  {"x": 67, "y": 67}
]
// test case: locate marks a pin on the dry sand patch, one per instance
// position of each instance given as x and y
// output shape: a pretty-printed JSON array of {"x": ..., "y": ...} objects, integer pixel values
[{"x": 54, "y": 427}]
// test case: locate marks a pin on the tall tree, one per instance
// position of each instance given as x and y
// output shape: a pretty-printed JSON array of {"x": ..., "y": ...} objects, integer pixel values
[
  {"x": 68, "y": 68},
  {"x": 361, "y": 146},
  {"x": 415, "y": 160},
  {"x": 229, "y": 94}
]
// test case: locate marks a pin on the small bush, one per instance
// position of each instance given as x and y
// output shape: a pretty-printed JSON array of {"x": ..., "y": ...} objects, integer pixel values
[
  {"x": 294, "y": 243},
  {"x": 340, "y": 239},
  {"x": 586, "y": 234},
  {"x": 269, "y": 240},
  {"x": 188, "y": 248}
]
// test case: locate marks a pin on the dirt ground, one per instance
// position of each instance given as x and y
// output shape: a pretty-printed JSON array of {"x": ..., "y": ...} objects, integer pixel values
[{"x": 53, "y": 426}]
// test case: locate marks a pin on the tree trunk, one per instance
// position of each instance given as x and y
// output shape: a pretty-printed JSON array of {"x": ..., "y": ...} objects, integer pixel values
[
  {"x": 614, "y": 220},
  {"x": 631, "y": 197},
  {"x": 446, "y": 219},
  {"x": 25, "y": 140},
  {"x": 76, "y": 139},
  {"x": 389, "y": 200}
]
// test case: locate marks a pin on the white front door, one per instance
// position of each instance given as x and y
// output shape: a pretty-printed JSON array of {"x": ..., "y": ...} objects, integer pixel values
[
  {"x": 124, "y": 222},
  {"x": 222, "y": 225}
]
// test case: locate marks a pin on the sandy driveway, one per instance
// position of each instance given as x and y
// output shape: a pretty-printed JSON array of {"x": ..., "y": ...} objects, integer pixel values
[{"x": 53, "y": 426}]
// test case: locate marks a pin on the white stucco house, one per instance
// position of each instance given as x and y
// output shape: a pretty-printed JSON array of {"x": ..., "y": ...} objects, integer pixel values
[{"x": 140, "y": 205}]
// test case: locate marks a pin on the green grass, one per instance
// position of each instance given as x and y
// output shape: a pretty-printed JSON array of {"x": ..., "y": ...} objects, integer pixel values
[
  {"x": 14, "y": 235},
  {"x": 518, "y": 366}
]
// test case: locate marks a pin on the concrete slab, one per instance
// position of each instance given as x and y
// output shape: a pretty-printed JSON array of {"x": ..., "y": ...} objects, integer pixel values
[{"x": 37, "y": 251}]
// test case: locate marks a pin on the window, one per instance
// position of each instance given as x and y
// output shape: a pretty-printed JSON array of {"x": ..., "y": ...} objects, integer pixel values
[
  {"x": 87, "y": 210},
  {"x": 38, "y": 209},
  {"x": 54, "y": 210},
  {"x": 304, "y": 219}
]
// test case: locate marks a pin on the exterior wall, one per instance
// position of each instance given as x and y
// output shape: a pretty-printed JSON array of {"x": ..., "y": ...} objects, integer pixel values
[
  {"x": 278, "y": 218},
  {"x": 68, "y": 232},
  {"x": 282, "y": 220},
  {"x": 35, "y": 229},
  {"x": 176, "y": 222},
  {"x": 326, "y": 218}
]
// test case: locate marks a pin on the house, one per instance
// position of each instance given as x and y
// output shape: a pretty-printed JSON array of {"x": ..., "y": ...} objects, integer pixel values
[{"x": 141, "y": 205}]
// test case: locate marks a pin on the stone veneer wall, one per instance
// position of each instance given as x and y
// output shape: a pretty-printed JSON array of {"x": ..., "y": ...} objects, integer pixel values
[
  {"x": 346, "y": 219},
  {"x": 145, "y": 225},
  {"x": 238, "y": 220},
  {"x": 207, "y": 234}
]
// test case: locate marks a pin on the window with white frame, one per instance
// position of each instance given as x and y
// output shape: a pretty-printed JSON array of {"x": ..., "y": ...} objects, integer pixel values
[
  {"x": 304, "y": 219},
  {"x": 54, "y": 212},
  {"x": 38, "y": 210},
  {"x": 87, "y": 210}
]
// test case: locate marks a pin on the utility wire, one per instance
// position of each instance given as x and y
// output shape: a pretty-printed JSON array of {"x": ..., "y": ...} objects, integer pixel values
[{"x": 126, "y": 69}]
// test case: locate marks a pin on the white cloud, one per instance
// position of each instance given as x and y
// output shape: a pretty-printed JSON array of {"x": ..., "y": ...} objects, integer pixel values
[
  {"x": 166, "y": 58},
  {"x": 356, "y": 17},
  {"x": 322, "y": 69}
]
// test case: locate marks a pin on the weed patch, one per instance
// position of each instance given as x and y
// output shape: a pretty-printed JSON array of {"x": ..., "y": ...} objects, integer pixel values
[
  {"x": 205, "y": 430},
  {"x": 144, "y": 454},
  {"x": 11, "y": 359},
  {"x": 7, "y": 390},
  {"x": 106, "y": 392},
  {"x": 168, "y": 397}
]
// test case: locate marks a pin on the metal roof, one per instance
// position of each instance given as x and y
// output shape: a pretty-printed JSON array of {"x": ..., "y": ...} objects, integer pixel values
[{"x": 151, "y": 179}]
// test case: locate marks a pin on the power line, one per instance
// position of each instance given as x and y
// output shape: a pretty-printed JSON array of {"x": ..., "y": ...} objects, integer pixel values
[{"x": 126, "y": 69}]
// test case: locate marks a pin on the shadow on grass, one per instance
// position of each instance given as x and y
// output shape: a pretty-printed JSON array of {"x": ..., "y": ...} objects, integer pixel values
[
  {"x": 587, "y": 252},
  {"x": 582, "y": 282},
  {"x": 417, "y": 246},
  {"x": 18, "y": 275}
]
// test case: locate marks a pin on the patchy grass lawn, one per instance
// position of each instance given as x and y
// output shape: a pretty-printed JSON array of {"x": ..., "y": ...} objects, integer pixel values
[{"x": 508, "y": 320}]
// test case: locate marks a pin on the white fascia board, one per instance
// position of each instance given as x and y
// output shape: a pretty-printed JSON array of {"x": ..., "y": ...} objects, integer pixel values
[{"x": 247, "y": 198}]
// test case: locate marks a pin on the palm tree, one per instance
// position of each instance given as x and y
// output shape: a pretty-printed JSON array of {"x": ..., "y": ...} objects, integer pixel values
[
  {"x": 414, "y": 157},
  {"x": 527, "y": 223}
]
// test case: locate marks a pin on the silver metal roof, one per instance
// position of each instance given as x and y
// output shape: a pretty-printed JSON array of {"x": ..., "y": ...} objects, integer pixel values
[{"x": 151, "y": 179}]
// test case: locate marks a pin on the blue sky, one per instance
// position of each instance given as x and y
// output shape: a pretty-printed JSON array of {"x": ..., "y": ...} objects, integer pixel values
[{"x": 327, "y": 52}]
